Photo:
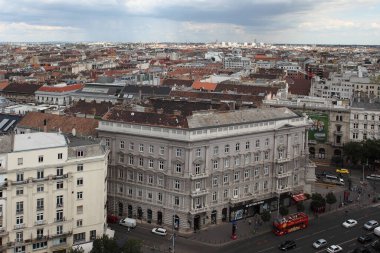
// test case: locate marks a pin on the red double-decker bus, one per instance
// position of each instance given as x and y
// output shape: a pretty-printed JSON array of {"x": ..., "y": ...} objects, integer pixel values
[{"x": 290, "y": 223}]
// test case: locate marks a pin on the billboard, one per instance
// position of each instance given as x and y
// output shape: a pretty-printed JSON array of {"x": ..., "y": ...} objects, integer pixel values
[{"x": 319, "y": 130}]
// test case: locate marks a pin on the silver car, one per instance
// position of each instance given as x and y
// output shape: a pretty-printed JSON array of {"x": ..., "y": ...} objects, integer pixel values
[
  {"x": 320, "y": 243},
  {"x": 370, "y": 225}
]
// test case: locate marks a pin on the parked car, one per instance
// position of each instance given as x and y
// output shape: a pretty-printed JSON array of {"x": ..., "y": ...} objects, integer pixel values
[
  {"x": 290, "y": 244},
  {"x": 370, "y": 225},
  {"x": 159, "y": 231},
  {"x": 365, "y": 238},
  {"x": 376, "y": 231},
  {"x": 343, "y": 171},
  {"x": 320, "y": 243},
  {"x": 128, "y": 222},
  {"x": 349, "y": 223},
  {"x": 334, "y": 249}
]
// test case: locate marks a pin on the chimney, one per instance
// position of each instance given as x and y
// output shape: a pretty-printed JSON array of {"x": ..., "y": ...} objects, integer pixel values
[{"x": 45, "y": 125}]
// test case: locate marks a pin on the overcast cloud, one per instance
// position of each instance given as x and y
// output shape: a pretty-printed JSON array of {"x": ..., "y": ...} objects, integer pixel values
[{"x": 272, "y": 21}]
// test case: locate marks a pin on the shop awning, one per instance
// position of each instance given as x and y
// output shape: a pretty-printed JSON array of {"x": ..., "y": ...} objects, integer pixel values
[{"x": 299, "y": 197}]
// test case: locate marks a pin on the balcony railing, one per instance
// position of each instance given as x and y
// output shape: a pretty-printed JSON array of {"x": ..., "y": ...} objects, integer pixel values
[
  {"x": 199, "y": 209},
  {"x": 40, "y": 208},
  {"x": 199, "y": 192},
  {"x": 198, "y": 176},
  {"x": 19, "y": 226},
  {"x": 282, "y": 160},
  {"x": 60, "y": 219},
  {"x": 282, "y": 189},
  {"x": 59, "y": 205},
  {"x": 40, "y": 222},
  {"x": 283, "y": 174}
]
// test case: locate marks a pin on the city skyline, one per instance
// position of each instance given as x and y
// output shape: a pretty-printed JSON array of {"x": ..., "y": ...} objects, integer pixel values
[{"x": 275, "y": 21}]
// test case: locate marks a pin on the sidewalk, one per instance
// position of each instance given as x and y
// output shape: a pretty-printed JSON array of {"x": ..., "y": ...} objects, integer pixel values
[{"x": 220, "y": 234}]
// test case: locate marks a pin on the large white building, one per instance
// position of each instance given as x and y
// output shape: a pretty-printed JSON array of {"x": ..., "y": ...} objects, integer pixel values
[
  {"x": 364, "y": 121},
  {"x": 205, "y": 168},
  {"x": 52, "y": 192}
]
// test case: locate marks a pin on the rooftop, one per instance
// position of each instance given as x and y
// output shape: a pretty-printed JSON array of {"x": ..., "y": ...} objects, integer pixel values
[{"x": 39, "y": 140}]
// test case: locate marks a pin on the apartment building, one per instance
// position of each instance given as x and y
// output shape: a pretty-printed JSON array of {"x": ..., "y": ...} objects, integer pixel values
[
  {"x": 364, "y": 121},
  {"x": 205, "y": 168},
  {"x": 53, "y": 192},
  {"x": 236, "y": 62}
]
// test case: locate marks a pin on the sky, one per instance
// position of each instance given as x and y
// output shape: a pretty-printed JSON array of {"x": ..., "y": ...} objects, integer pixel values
[{"x": 268, "y": 21}]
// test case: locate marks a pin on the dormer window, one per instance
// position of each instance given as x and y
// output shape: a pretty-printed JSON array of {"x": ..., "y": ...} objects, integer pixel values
[{"x": 80, "y": 153}]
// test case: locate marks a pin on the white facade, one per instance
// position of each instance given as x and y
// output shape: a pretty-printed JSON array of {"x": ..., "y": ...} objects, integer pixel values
[
  {"x": 55, "y": 192},
  {"x": 364, "y": 124},
  {"x": 237, "y": 62}
]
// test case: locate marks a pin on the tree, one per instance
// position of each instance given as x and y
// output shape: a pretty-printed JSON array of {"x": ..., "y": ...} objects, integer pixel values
[
  {"x": 284, "y": 211},
  {"x": 317, "y": 202},
  {"x": 132, "y": 246},
  {"x": 353, "y": 151},
  {"x": 300, "y": 207},
  {"x": 265, "y": 216},
  {"x": 104, "y": 244},
  {"x": 330, "y": 198}
]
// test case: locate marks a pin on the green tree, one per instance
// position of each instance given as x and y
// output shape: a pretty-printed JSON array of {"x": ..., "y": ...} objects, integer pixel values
[
  {"x": 317, "y": 201},
  {"x": 265, "y": 216},
  {"x": 353, "y": 151},
  {"x": 104, "y": 244},
  {"x": 330, "y": 198},
  {"x": 284, "y": 211},
  {"x": 133, "y": 246},
  {"x": 300, "y": 207}
]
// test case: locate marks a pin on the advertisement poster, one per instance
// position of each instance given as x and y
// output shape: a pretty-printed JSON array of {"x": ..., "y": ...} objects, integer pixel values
[{"x": 319, "y": 130}]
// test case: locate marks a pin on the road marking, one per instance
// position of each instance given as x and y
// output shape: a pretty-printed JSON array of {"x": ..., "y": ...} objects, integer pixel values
[{"x": 338, "y": 244}]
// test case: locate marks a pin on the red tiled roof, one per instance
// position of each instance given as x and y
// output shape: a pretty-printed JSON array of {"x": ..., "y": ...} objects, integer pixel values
[
  {"x": 3, "y": 84},
  {"x": 299, "y": 86},
  {"x": 54, "y": 123},
  {"x": 198, "y": 85},
  {"x": 61, "y": 89}
]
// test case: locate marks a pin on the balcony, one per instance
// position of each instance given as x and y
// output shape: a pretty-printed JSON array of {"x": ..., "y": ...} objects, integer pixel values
[
  {"x": 40, "y": 208},
  {"x": 247, "y": 197},
  {"x": 40, "y": 238},
  {"x": 59, "y": 205},
  {"x": 335, "y": 144},
  {"x": 199, "y": 209},
  {"x": 21, "y": 211},
  {"x": 282, "y": 189},
  {"x": 283, "y": 174},
  {"x": 3, "y": 232},
  {"x": 282, "y": 160},
  {"x": 60, "y": 219},
  {"x": 40, "y": 222},
  {"x": 19, "y": 226},
  {"x": 198, "y": 176},
  {"x": 340, "y": 133},
  {"x": 199, "y": 192},
  {"x": 66, "y": 234}
]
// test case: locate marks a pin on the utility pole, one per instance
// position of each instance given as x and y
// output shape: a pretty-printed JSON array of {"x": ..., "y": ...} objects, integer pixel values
[{"x": 173, "y": 236}]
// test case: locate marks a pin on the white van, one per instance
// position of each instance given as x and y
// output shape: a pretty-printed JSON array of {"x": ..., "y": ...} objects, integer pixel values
[
  {"x": 376, "y": 231},
  {"x": 128, "y": 222}
]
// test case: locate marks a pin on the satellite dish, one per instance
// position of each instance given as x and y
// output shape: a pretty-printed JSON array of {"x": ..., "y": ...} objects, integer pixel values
[{"x": 74, "y": 132}]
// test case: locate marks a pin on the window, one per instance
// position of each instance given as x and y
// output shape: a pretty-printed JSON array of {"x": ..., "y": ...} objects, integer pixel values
[
  {"x": 59, "y": 229},
  {"x": 79, "y": 195},
  {"x": 40, "y": 204},
  {"x": 60, "y": 155},
  {"x": 59, "y": 185},
  {"x": 356, "y": 116},
  {"x": 237, "y": 147},
  {"x": 80, "y": 153},
  {"x": 79, "y": 181},
  {"x": 364, "y": 136},
  {"x": 59, "y": 199},
  {"x": 40, "y": 158},
  {"x": 215, "y": 181},
  {"x": 150, "y": 179},
  {"x": 130, "y": 175},
  {"x": 198, "y": 152},
  {"x": 247, "y": 144},
  {"x": 150, "y": 163},
  {"x": 92, "y": 234},
  {"x": 246, "y": 174},
  {"x": 216, "y": 150},
  {"x": 19, "y": 220},
  {"x": 122, "y": 144},
  {"x": 176, "y": 201},
  {"x": 237, "y": 161},
  {"x": 178, "y": 152},
  {"x": 256, "y": 157},
  {"x": 141, "y": 147},
  {"x": 214, "y": 196},
  {"x": 40, "y": 216},
  {"x": 151, "y": 149},
  {"x": 266, "y": 155},
  {"x": 59, "y": 171},
  {"x": 19, "y": 191},
  {"x": 247, "y": 159},
  {"x": 160, "y": 181},
  {"x": 178, "y": 167},
  {"x": 59, "y": 215},
  {"x": 80, "y": 167},
  {"x": 256, "y": 188},
  {"x": 197, "y": 169},
  {"x": 79, "y": 223},
  {"x": 236, "y": 193},
  {"x": 266, "y": 171},
  {"x": 159, "y": 197},
  {"x": 280, "y": 154},
  {"x": 19, "y": 207},
  {"x": 161, "y": 165},
  {"x": 131, "y": 145},
  {"x": 225, "y": 193},
  {"x": 121, "y": 158},
  {"x": 130, "y": 160},
  {"x": 80, "y": 237},
  {"x": 40, "y": 188},
  {"x": 265, "y": 186},
  {"x": 226, "y": 162},
  {"x": 246, "y": 188},
  {"x": 19, "y": 237},
  {"x": 140, "y": 177},
  {"x": 225, "y": 179},
  {"x": 355, "y": 135},
  {"x": 236, "y": 176},
  {"x": 267, "y": 142},
  {"x": 141, "y": 161},
  {"x": 365, "y": 117},
  {"x": 227, "y": 148},
  {"x": 162, "y": 150},
  {"x": 256, "y": 172},
  {"x": 130, "y": 191},
  {"x": 177, "y": 184},
  {"x": 107, "y": 142},
  {"x": 257, "y": 143},
  {"x": 20, "y": 161},
  {"x": 79, "y": 209},
  {"x": 197, "y": 185},
  {"x": 19, "y": 177}
]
